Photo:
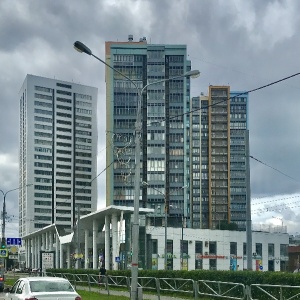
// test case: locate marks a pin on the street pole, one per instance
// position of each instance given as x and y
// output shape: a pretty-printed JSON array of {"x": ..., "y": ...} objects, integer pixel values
[
  {"x": 248, "y": 207},
  {"x": 78, "y": 240},
  {"x": 4, "y": 210},
  {"x": 80, "y": 47},
  {"x": 166, "y": 234},
  {"x": 181, "y": 244},
  {"x": 4, "y": 217}
]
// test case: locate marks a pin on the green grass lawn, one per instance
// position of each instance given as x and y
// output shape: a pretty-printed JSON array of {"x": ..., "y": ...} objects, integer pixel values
[{"x": 86, "y": 295}]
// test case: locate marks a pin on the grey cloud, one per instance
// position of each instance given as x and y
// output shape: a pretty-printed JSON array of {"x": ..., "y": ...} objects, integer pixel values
[{"x": 37, "y": 38}]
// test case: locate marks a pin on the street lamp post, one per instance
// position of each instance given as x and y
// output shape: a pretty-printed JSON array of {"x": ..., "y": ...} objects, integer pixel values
[
  {"x": 80, "y": 47},
  {"x": 166, "y": 219},
  {"x": 4, "y": 210},
  {"x": 4, "y": 207},
  {"x": 3, "y": 218}
]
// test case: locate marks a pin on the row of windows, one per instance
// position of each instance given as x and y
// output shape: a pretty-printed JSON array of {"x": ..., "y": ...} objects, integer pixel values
[
  {"x": 83, "y": 140},
  {"x": 84, "y": 111},
  {"x": 84, "y": 125},
  {"x": 42, "y": 111},
  {"x": 82, "y": 96},
  {"x": 42, "y": 89},
  {"x": 83, "y": 191},
  {"x": 83, "y": 103},
  {"x": 83, "y": 132},
  {"x": 41, "y": 96},
  {"x": 44, "y": 203},
  {"x": 83, "y": 161},
  {"x": 43, "y": 134},
  {"x": 44, "y": 127},
  {"x": 67, "y": 86},
  {"x": 44, "y": 104},
  {"x": 42, "y": 149},
  {"x": 63, "y": 92},
  {"x": 42, "y": 119},
  {"x": 63, "y": 100},
  {"x": 64, "y": 107},
  {"x": 83, "y": 147},
  {"x": 63, "y": 129}
]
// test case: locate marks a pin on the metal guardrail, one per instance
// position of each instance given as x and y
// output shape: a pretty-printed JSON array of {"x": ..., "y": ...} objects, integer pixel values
[
  {"x": 274, "y": 292},
  {"x": 216, "y": 289},
  {"x": 177, "y": 285},
  {"x": 220, "y": 289}
]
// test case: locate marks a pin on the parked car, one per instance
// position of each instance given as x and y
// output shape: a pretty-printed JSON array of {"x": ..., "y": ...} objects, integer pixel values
[{"x": 46, "y": 288}]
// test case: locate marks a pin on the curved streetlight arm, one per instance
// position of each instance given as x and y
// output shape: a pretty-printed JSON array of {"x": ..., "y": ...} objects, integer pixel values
[
  {"x": 4, "y": 194},
  {"x": 193, "y": 74},
  {"x": 82, "y": 48},
  {"x": 4, "y": 207}
]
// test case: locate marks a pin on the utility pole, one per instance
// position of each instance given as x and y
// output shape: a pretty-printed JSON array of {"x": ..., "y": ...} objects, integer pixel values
[
  {"x": 77, "y": 239},
  {"x": 248, "y": 207}
]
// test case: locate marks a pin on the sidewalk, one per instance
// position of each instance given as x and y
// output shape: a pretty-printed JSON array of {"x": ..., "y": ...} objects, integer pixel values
[{"x": 146, "y": 296}]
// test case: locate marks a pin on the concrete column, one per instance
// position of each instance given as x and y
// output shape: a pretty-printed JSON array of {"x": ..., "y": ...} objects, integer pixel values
[
  {"x": 39, "y": 244},
  {"x": 68, "y": 256},
  {"x": 115, "y": 250},
  {"x": 50, "y": 240},
  {"x": 61, "y": 255},
  {"x": 95, "y": 253},
  {"x": 107, "y": 242},
  {"x": 36, "y": 252},
  {"x": 33, "y": 252},
  {"x": 43, "y": 242},
  {"x": 57, "y": 251},
  {"x": 27, "y": 253},
  {"x": 86, "y": 249},
  {"x": 47, "y": 240}
]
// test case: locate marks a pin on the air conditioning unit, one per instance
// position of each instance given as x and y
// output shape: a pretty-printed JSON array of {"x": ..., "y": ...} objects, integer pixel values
[{"x": 205, "y": 253}]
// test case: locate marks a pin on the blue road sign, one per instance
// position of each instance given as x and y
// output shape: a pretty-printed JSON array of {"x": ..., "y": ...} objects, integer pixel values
[
  {"x": 3, "y": 253},
  {"x": 14, "y": 241}
]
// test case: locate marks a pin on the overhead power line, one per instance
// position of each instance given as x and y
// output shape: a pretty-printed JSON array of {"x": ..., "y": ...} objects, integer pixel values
[{"x": 273, "y": 168}]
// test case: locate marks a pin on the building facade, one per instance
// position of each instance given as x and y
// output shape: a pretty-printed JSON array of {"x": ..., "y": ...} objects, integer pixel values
[
  {"x": 58, "y": 153},
  {"x": 164, "y": 140},
  {"x": 218, "y": 170},
  {"x": 188, "y": 248}
]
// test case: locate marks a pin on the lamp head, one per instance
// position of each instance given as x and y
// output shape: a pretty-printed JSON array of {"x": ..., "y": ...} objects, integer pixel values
[
  {"x": 192, "y": 73},
  {"x": 80, "y": 47}
]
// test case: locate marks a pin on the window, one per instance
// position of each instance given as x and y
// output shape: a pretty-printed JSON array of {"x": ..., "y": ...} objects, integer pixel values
[
  {"x": 42, "y": 89},
  {"x": 42, "y": 119},
  {"x": 212, "y": 264},
  {"x": 42, "y": 111},
  {"x": 41, "y": 96},
  {"x": 63, "y": 85},
  {"x": 63, "y": 92},
  {"x": 213, "y": 248},
  {"x": 271, "y": 251},
  {"x": 258, "y": 249},
  {"x": 233, "y": 248},
  {"x": 283, "y": 250}
]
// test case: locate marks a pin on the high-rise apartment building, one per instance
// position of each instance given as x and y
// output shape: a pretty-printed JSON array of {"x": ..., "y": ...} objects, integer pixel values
[
  {"x": 218, "y": 176},
  {"x": 58, "y": 153},
  {"x": 165, "y": 127}
]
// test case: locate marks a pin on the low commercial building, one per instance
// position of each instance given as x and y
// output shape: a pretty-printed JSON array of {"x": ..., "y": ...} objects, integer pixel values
[{"x": 104, "y": 237}]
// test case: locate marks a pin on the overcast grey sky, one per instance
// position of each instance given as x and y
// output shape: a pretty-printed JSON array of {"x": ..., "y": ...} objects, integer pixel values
[{"x": 244, "y": 44}]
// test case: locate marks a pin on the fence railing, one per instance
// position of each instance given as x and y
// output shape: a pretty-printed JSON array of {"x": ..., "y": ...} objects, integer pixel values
[{"x": 189, "y": 287}]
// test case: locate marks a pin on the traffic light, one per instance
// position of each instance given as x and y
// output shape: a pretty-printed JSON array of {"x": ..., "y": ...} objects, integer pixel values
[{"x": 3, "y": 243}]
